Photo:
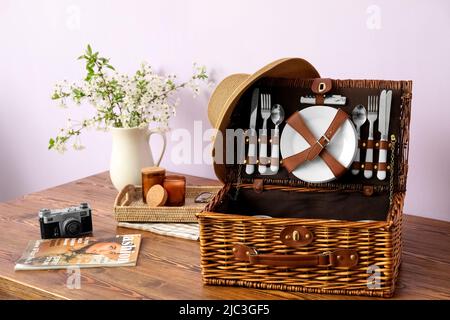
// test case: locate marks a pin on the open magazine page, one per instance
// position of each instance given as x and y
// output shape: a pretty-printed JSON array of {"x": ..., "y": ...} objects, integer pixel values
[{"x": 86, "y": 252}]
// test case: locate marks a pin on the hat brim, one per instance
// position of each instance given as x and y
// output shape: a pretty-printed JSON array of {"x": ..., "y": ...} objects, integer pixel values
[{"x": 230, "y": 90}]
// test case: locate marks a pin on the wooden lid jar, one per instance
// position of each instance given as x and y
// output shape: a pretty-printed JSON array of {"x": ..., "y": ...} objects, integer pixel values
[{"x": 150, "y": 177}]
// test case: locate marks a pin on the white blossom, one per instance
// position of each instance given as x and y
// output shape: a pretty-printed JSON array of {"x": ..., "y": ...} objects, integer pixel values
[{"x": 139, "y": 100}]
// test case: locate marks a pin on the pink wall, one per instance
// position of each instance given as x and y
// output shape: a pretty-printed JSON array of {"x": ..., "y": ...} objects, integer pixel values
[{"x": 343, "y": 39}]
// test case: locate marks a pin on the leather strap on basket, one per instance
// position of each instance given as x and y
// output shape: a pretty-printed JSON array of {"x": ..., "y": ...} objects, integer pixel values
[
  {"x": 320, "y": 87},
  {"x": 317, "y": 147},
  {"x": 341, "y": 258}
]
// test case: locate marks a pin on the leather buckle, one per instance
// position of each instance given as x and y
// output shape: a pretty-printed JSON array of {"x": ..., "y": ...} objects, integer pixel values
[
  {"x": 323, "y": 141},
  {"x": 345, "y": 258},
  {"x": 330, "y": 256},
  {"x": 322, "y": 87}
]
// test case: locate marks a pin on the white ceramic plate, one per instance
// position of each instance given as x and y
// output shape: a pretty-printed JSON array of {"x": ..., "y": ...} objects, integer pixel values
[{"x": 342, "y": 146}]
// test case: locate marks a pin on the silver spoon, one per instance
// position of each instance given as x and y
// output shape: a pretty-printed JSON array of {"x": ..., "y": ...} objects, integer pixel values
[
  {"x": 359, "y": 117},
  {"x": 277, "y": 117}
]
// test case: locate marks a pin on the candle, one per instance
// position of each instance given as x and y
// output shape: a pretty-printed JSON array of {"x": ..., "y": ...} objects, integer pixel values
[
  {"x": 150, "y": 177},
  {"x": 176, "y": 190}
]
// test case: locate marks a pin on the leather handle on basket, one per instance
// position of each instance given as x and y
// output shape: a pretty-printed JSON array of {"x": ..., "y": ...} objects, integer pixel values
[{"x": 340, "y": 258}]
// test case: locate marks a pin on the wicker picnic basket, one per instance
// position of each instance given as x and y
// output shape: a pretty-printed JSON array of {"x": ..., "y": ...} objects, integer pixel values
[{"x": 340, "y": 237}]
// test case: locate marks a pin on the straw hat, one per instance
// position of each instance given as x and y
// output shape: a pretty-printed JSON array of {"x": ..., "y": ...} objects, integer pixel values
[{"x": 228, "y": 92}]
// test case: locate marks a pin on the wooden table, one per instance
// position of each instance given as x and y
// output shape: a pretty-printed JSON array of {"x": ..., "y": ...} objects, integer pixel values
[{"x": 168, "y": 268}]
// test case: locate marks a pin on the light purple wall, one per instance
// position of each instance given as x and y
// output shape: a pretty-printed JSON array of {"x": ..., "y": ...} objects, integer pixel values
[{"x": 39, "y": 41}]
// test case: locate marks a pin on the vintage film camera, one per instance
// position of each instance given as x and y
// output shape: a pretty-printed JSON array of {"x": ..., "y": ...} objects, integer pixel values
[{"x": 66, "y": 223}]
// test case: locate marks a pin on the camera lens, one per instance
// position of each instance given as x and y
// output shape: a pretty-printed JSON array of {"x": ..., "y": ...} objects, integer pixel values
[{"x": 72, "y": 227}]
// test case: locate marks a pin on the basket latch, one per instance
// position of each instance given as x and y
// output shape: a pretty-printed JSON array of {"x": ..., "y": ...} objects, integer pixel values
[
  {"x": 320, "y": 87},
  {"x": 296, "y": 236}
]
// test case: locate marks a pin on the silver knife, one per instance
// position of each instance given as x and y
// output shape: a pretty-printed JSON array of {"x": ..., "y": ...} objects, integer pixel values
[
  {"x": 252, "y": 136},
  {"x": 383, "y": 128}
]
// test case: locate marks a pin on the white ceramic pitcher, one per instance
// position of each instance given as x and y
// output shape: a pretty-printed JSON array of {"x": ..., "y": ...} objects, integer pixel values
[{"x": 130, "y": 153}]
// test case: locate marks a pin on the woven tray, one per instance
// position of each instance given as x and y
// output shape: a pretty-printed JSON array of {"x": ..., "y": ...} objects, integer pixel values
[{"x": 129, "y": 207}]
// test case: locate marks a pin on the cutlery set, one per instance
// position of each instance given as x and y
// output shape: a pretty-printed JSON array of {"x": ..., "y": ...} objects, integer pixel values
[
  {"x": 276, "y": 115},
  {"x": 378, "y": 108}
]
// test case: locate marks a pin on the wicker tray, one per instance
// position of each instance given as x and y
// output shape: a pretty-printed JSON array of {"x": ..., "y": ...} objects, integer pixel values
[{"x": 129, "y": 207}]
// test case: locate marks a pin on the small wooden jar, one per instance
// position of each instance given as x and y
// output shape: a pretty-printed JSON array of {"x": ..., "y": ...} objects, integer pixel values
[
  {"x": 176, "y": 190},
  {"x": 150, "y": 177}
]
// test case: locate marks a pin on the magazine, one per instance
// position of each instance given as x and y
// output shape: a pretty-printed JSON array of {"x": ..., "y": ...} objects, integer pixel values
[{"x": 86, "y": 252}]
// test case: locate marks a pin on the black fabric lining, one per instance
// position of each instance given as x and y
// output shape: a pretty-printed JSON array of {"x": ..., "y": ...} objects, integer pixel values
[{"x": 350, "y": 206}]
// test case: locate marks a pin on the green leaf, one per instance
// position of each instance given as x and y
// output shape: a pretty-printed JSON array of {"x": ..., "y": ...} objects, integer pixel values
[
  {"x": 90, "y": 69},
  {"x": 89, "y": 49},
  {"x": 55, "y": 96},
  {"x": 81, "y": 57},
  {"x": 78, "y": 93},
  {"x": 51, "y": 143},
  {"x": 110, "y": 67}
]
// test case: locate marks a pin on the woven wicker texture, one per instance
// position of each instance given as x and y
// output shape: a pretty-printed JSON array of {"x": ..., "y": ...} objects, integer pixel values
[
  {"x": 129, "y": 206},
  {"x": 377, "y": 243}
]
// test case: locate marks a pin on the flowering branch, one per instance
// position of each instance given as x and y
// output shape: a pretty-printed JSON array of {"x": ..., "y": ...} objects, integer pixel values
[{"x": 120, "y": 100}]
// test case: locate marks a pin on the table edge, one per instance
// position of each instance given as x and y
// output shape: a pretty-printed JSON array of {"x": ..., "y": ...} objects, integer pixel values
[{"x": 21, "y": 290}]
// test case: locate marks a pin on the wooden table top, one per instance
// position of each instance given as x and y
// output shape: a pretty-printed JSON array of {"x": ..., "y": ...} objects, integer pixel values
[{"x": 169, "y": 268}]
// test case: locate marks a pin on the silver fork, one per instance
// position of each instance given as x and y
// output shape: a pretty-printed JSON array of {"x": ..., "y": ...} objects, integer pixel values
[
  {"x": 372, "y": 106},
  {"x": 265, "y": 115}
]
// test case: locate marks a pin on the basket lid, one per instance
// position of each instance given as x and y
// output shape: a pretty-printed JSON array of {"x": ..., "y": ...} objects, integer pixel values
[{"x": 228, "y": 92}]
